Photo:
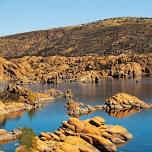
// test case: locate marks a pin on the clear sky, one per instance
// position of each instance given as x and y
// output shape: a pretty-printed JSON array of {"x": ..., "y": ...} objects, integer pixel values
[{"x": 27, "y": 15}]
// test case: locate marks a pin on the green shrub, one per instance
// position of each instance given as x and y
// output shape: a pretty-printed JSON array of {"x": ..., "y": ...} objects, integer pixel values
[{"x": 27, "y": 137}]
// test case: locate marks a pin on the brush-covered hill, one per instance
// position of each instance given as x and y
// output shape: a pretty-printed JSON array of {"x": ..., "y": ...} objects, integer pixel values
[{"x": 105, "y": 37}]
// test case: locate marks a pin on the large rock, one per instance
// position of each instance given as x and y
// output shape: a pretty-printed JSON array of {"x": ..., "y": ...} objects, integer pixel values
[
  {"x": 6, "y": 136},
  {"x": 125, "y": 101},
  {"x": 91, "y": 135},
  {"x": 18, "y": 90},
  {"x": 3, "y": 132}
]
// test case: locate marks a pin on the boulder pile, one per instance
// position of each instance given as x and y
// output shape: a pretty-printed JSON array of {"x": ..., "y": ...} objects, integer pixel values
[
  {"x": 18, "y": 98},
  {"x": 77, "y": 109},
  {"x": 91, "y": 135},
  {"x": 119, "y": 105},
  {"x": 23, "y": 94},
  {"x": 125, "y": 101},
  {"x": 13, "y": 107},
  {"x": 89, "y": 68},
  {"x": 127, "y": 70},
  {"x": 6, "y": 136}
]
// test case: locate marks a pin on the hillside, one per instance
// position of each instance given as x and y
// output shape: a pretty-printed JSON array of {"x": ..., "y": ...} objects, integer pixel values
[{"x": 105, "y": 37}]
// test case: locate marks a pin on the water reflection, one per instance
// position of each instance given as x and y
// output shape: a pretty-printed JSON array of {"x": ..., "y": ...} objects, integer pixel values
[
  {"x": 6, "y": 117},
  {"x": 106, "y": 88},
  {"x": 123, "y": 113},
  {"x": 32, "y": 113}
]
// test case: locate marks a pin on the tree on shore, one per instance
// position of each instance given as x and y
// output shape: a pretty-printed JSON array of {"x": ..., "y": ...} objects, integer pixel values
[{"x": 27, "y": 138}]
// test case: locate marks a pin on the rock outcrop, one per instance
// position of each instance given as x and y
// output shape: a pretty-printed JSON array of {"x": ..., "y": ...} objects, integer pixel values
[
  {"x": 77, "y": 109},
  {"x": 129, "y": 70},
  {"x": 125, "y": 101},
  {"x": 18, "y": 98},
  {"x": 10, "y": 107},
  {"x": 91, "y": 135},
  {"x": 55, "y": 69},
  {"x": 118, "y": 47},
  {"x": 25, "y": 95},
  {"x": 6, "y": 136},
  {"x": 68, "y": 94},
  {"x": 119, "y": 105}
]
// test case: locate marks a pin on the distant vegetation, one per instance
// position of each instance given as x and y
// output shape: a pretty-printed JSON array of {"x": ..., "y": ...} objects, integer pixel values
[{"x": 111, "y": 36}]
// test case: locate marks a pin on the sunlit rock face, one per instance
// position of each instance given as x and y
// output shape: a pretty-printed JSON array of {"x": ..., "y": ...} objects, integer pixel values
[
  {"x": 127, "y": 70},
  {"x": 6, "y": 136},
  {"x": 55, "y": 69},
  {"x": 77, "y": 109},
  {"x": 118, "y": 47},
  {"x": 125, "y": 101},
  {"x": 91, "y": 135},
  {"x": 17, "y": 98}
]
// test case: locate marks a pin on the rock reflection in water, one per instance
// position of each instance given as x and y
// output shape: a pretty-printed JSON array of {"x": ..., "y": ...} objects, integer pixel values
[
  {"x": 123, "y": 113},
  {"x": 4, "y": 118}
]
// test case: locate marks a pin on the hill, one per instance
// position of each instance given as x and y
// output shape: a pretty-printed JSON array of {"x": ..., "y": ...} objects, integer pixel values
[{"x": 105, "y": 37}]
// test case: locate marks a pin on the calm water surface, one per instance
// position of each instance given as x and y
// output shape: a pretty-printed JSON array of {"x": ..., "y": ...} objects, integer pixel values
[{"x": 50, "y": 117}]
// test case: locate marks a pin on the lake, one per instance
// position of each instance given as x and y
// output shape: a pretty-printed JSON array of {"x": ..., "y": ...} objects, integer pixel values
[{"x": 49, "y": 117}]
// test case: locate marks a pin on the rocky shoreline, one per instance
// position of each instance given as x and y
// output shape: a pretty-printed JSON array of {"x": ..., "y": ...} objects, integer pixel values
[
  {"x": 17, "y": 98},
  {"x": 56, "y": 69},
  {"x": 6, "y": 136}
]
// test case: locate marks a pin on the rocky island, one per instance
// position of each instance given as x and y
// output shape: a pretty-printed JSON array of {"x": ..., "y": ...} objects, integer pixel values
[{"x": 120, "y": 102}]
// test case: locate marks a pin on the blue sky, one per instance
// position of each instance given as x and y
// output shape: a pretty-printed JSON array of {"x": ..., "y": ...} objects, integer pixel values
[{"x": 27, "y": 15}]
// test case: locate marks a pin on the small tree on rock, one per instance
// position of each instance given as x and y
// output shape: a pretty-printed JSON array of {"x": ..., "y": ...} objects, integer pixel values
[{"x": 27, "y": 138}]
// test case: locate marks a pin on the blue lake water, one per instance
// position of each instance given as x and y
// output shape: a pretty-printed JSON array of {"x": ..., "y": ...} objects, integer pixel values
[{"x": 50, "y": 116}]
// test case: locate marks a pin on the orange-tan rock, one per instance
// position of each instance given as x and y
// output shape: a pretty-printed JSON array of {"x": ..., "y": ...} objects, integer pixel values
[
  {"x": 17, "y": 98},
  {"x": 54, "y": 69},
  {"x": 76, "y": 135},
  {"x": 125, "y": 101},
  {"x": 6, "y": 136},
  {"x": 76, "y": 109},
  {"x": 126, "y": 70},
  {"x": 119, "y": 105}
]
